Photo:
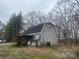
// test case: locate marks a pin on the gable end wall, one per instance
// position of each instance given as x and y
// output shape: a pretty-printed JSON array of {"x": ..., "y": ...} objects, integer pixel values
[{"x": 48, "y": 34}]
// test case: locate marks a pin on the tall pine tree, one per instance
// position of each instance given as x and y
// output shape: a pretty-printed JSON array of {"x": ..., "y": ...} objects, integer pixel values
[{"x": 13, "y": 27}]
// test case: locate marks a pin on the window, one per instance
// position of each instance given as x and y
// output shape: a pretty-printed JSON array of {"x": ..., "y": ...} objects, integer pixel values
[{"x": 37, "y": 37}]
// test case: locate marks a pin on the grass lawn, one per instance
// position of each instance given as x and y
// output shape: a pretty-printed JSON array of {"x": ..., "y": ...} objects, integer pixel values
[{"x": 9, "y": 51}]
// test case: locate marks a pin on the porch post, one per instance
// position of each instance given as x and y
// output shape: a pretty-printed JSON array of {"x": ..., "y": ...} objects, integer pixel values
[
  {"x": 36, "y": 42},
  {"x": 26, "y": 43}
]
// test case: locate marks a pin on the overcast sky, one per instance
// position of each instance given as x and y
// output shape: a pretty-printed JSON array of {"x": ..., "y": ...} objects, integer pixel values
[{"x": 8, "y": 7}]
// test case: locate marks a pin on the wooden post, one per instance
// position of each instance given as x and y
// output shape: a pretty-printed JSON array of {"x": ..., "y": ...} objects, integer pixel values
[{"x": 36, "y": 42}]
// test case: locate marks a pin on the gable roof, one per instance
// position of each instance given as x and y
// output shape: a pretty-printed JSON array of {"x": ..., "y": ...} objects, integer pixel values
[{"x": 34, "y": 29}]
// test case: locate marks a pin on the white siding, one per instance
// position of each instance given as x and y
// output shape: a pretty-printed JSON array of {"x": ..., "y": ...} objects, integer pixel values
[{"x": 48, "y": 34}]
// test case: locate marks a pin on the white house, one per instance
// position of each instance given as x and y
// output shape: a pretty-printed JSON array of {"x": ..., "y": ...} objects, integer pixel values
[{"x": 41, "y": 33}]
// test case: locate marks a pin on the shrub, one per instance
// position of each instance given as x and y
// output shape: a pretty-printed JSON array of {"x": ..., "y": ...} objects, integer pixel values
[{"x": 19, "y": 43}]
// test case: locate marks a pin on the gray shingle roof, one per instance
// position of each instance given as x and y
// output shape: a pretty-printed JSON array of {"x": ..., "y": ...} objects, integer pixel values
[{"x": 35, "y": 29}]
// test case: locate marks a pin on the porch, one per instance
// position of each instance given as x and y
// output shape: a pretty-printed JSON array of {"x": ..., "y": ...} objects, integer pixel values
[{"x": 28, "y": 40}]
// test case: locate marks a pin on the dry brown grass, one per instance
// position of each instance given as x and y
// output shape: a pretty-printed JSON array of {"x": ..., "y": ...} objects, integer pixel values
[{"x": 9, "y": 51}]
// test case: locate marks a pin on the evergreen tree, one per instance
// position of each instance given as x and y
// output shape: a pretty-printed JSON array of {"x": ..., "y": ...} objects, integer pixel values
[{"x": 13, "y": 27}]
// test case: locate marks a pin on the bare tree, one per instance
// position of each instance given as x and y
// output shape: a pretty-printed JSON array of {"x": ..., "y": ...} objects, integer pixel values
[
  {"x": 76, "y": 19},
  {"x": 34, "y": 18},
  {"x": 63, "y": 16},
  {"x": 76, "y": 2}
]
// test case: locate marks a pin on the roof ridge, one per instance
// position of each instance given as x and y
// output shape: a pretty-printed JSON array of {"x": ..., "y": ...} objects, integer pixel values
[{"x": 36, "y": 28}]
